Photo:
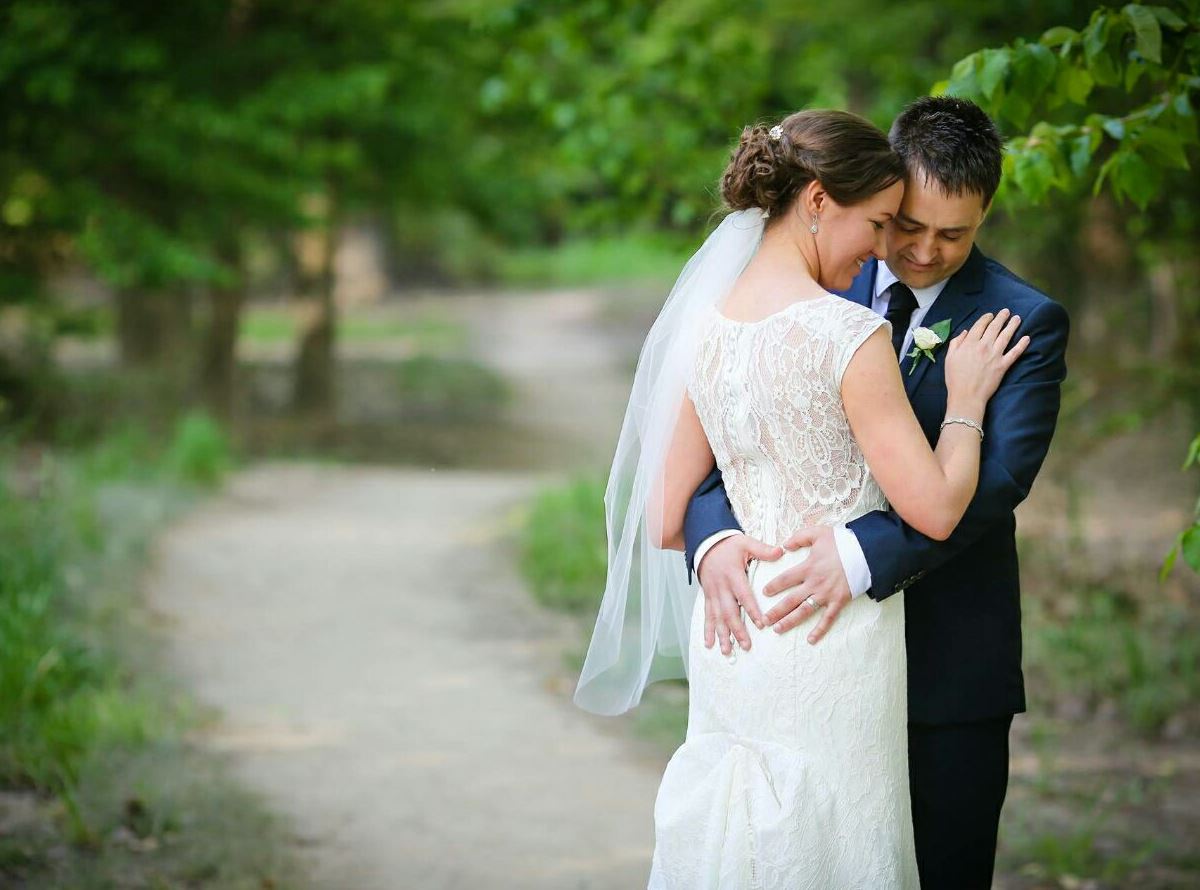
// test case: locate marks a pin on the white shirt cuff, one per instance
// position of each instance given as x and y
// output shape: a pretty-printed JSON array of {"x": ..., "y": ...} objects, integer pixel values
[
  {"x": 854, "y": 563},
  {"x": 707, "y": 545}
]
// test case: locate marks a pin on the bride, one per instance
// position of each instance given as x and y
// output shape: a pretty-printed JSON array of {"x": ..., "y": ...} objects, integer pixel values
[{"x": 793, "y": 772}]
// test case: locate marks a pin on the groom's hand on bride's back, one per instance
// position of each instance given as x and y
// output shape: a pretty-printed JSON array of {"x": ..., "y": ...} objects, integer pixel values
[
  {"x": 819, "y": 579},
  {"x": 726, "y": 585}
]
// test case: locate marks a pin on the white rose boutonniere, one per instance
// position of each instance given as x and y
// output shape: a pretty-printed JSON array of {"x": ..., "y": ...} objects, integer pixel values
[{"x": 926, "y": 340}]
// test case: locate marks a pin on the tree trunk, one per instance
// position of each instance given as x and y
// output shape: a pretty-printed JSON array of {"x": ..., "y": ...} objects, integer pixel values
[
  {"x": 140, "y": 327},
  {"x": 154, "y": 333},
  {"x": 313, "y": 393},
  {"x": 218, "y": 365},
  {"x": 1108, "y": 274}
]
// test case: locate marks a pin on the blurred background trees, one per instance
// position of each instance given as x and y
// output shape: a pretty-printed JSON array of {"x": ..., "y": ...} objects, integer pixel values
[
  {"x": 186, "y": 160},
  {"x": 160, "y": 148}
]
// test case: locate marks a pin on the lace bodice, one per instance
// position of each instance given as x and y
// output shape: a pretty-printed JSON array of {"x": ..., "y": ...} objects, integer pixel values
[{"x": 768, "y": 394}]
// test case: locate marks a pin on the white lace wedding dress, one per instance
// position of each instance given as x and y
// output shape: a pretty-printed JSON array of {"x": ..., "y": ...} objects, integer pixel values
[{"x": 794, "y": 772}]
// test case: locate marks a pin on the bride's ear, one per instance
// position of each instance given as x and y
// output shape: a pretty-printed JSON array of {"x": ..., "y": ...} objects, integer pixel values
[{"x": 813, "y": 200}]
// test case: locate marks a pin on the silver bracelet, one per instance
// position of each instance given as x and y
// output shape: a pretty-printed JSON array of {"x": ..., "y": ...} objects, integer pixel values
[{"x": 965, "y": 421}]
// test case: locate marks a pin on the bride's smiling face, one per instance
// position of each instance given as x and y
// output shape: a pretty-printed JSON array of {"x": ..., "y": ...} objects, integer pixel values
[{"x": 848, "y": 235}]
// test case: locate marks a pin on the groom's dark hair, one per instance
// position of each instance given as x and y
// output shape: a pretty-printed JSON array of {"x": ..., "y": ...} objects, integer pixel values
[{"x": 951, "y": 141}]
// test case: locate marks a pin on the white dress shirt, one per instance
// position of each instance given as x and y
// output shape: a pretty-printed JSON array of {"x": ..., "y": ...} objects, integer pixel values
[{"x": 854, "y": 563}]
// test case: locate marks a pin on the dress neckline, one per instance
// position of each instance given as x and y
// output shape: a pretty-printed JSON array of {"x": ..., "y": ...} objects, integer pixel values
[{"x": 777, "y": 314}]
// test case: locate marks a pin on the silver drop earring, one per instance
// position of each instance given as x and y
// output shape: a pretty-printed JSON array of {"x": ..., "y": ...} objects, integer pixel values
[{"x": 813, "y": 227}]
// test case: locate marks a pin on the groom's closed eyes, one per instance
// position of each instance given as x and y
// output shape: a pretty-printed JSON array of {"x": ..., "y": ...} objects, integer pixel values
[{"x": 910, "y": 226}]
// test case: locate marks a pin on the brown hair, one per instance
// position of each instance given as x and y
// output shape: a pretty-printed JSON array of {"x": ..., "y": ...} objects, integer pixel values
[{"x": 847, "y": 154}]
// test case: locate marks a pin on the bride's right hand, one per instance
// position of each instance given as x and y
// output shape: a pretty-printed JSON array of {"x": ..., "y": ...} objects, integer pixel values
[{"x": 976, "y": 359}]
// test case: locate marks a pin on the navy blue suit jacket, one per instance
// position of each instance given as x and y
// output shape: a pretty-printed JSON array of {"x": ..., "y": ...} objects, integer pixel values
[{"x": 962, "y": 602}]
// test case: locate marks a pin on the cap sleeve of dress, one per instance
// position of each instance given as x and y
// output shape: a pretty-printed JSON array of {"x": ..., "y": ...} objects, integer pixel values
[{"x": 858, "y": 323}]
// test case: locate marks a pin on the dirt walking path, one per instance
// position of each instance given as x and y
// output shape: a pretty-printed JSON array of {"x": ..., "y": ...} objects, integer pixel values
[{"x": 381, "y": 675}]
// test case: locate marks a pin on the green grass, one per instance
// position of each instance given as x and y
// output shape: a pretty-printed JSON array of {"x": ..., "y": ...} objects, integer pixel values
[
  {"x": 1076, "y": 826},
  {"x": 261, "y": 323},
  {"x": 1078, "y": 852},
  {"x": 61, "y": 692},
  {"x": 595, "y": 261},
  {"x": 661, "y": 717},
  {"x": 1098, "y": 643},
  {"x": 89, "y": 729},
  {"x": 563, "y": 547},
  {"x": 200, "y": 452},
  {"x": 165, "y": 815},
  {"x": 431, "y": 387},
  {"x": 564, "y": 560},
  {"x": 274, "y": 324},
  {"x": 60, "y": 695}
]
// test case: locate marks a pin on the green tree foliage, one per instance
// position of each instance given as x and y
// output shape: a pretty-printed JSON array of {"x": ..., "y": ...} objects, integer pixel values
[
  {"x": 1188, "y": 542},
  {"x": 149, "y": 136},
  {"x": 121, "y": 134},
  {"x": 1116, "y": 100},
  {"x": 150, "y": 142},
  {"x": 627, "y": 110},
  {"x": 1110, "y": 109},
  {"x": 144, "y": 138}
]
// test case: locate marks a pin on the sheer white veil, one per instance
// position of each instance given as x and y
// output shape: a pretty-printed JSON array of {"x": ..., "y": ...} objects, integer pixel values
[{"x": 642, "y": 629}]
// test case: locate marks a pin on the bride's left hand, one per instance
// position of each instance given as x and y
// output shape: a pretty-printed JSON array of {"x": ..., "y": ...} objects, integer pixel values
[{"x": 820, "y": 577}]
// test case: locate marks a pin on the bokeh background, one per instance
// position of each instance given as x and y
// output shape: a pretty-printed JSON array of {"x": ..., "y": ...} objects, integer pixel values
[{"x": 256, "y": 255}]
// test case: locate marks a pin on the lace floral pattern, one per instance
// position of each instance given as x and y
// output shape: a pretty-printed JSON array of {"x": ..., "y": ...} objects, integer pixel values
[
  {"x": 769, "y": 396},
  {"x": 794, "y": 772}
]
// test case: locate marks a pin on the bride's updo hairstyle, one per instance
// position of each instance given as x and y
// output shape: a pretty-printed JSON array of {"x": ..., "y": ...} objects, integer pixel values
[{"x": 846, "y": 153}]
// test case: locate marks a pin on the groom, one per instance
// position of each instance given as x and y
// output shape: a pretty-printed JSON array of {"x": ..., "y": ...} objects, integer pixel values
[{"x": 962, "y": 603}]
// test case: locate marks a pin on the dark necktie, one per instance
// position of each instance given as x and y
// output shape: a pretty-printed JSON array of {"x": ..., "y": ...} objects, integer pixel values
[{"x": 901, "y": 304}]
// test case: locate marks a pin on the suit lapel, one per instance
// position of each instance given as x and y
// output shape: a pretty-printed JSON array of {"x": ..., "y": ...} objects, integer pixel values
[{"x": 959, "y": 302}]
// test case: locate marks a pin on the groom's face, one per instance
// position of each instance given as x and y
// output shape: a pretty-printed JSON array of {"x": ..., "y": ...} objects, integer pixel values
[{"x": 931, "y": 236}]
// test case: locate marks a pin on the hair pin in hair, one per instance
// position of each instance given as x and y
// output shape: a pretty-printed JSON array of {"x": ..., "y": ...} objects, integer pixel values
[{"x": 776, "y": 133}]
